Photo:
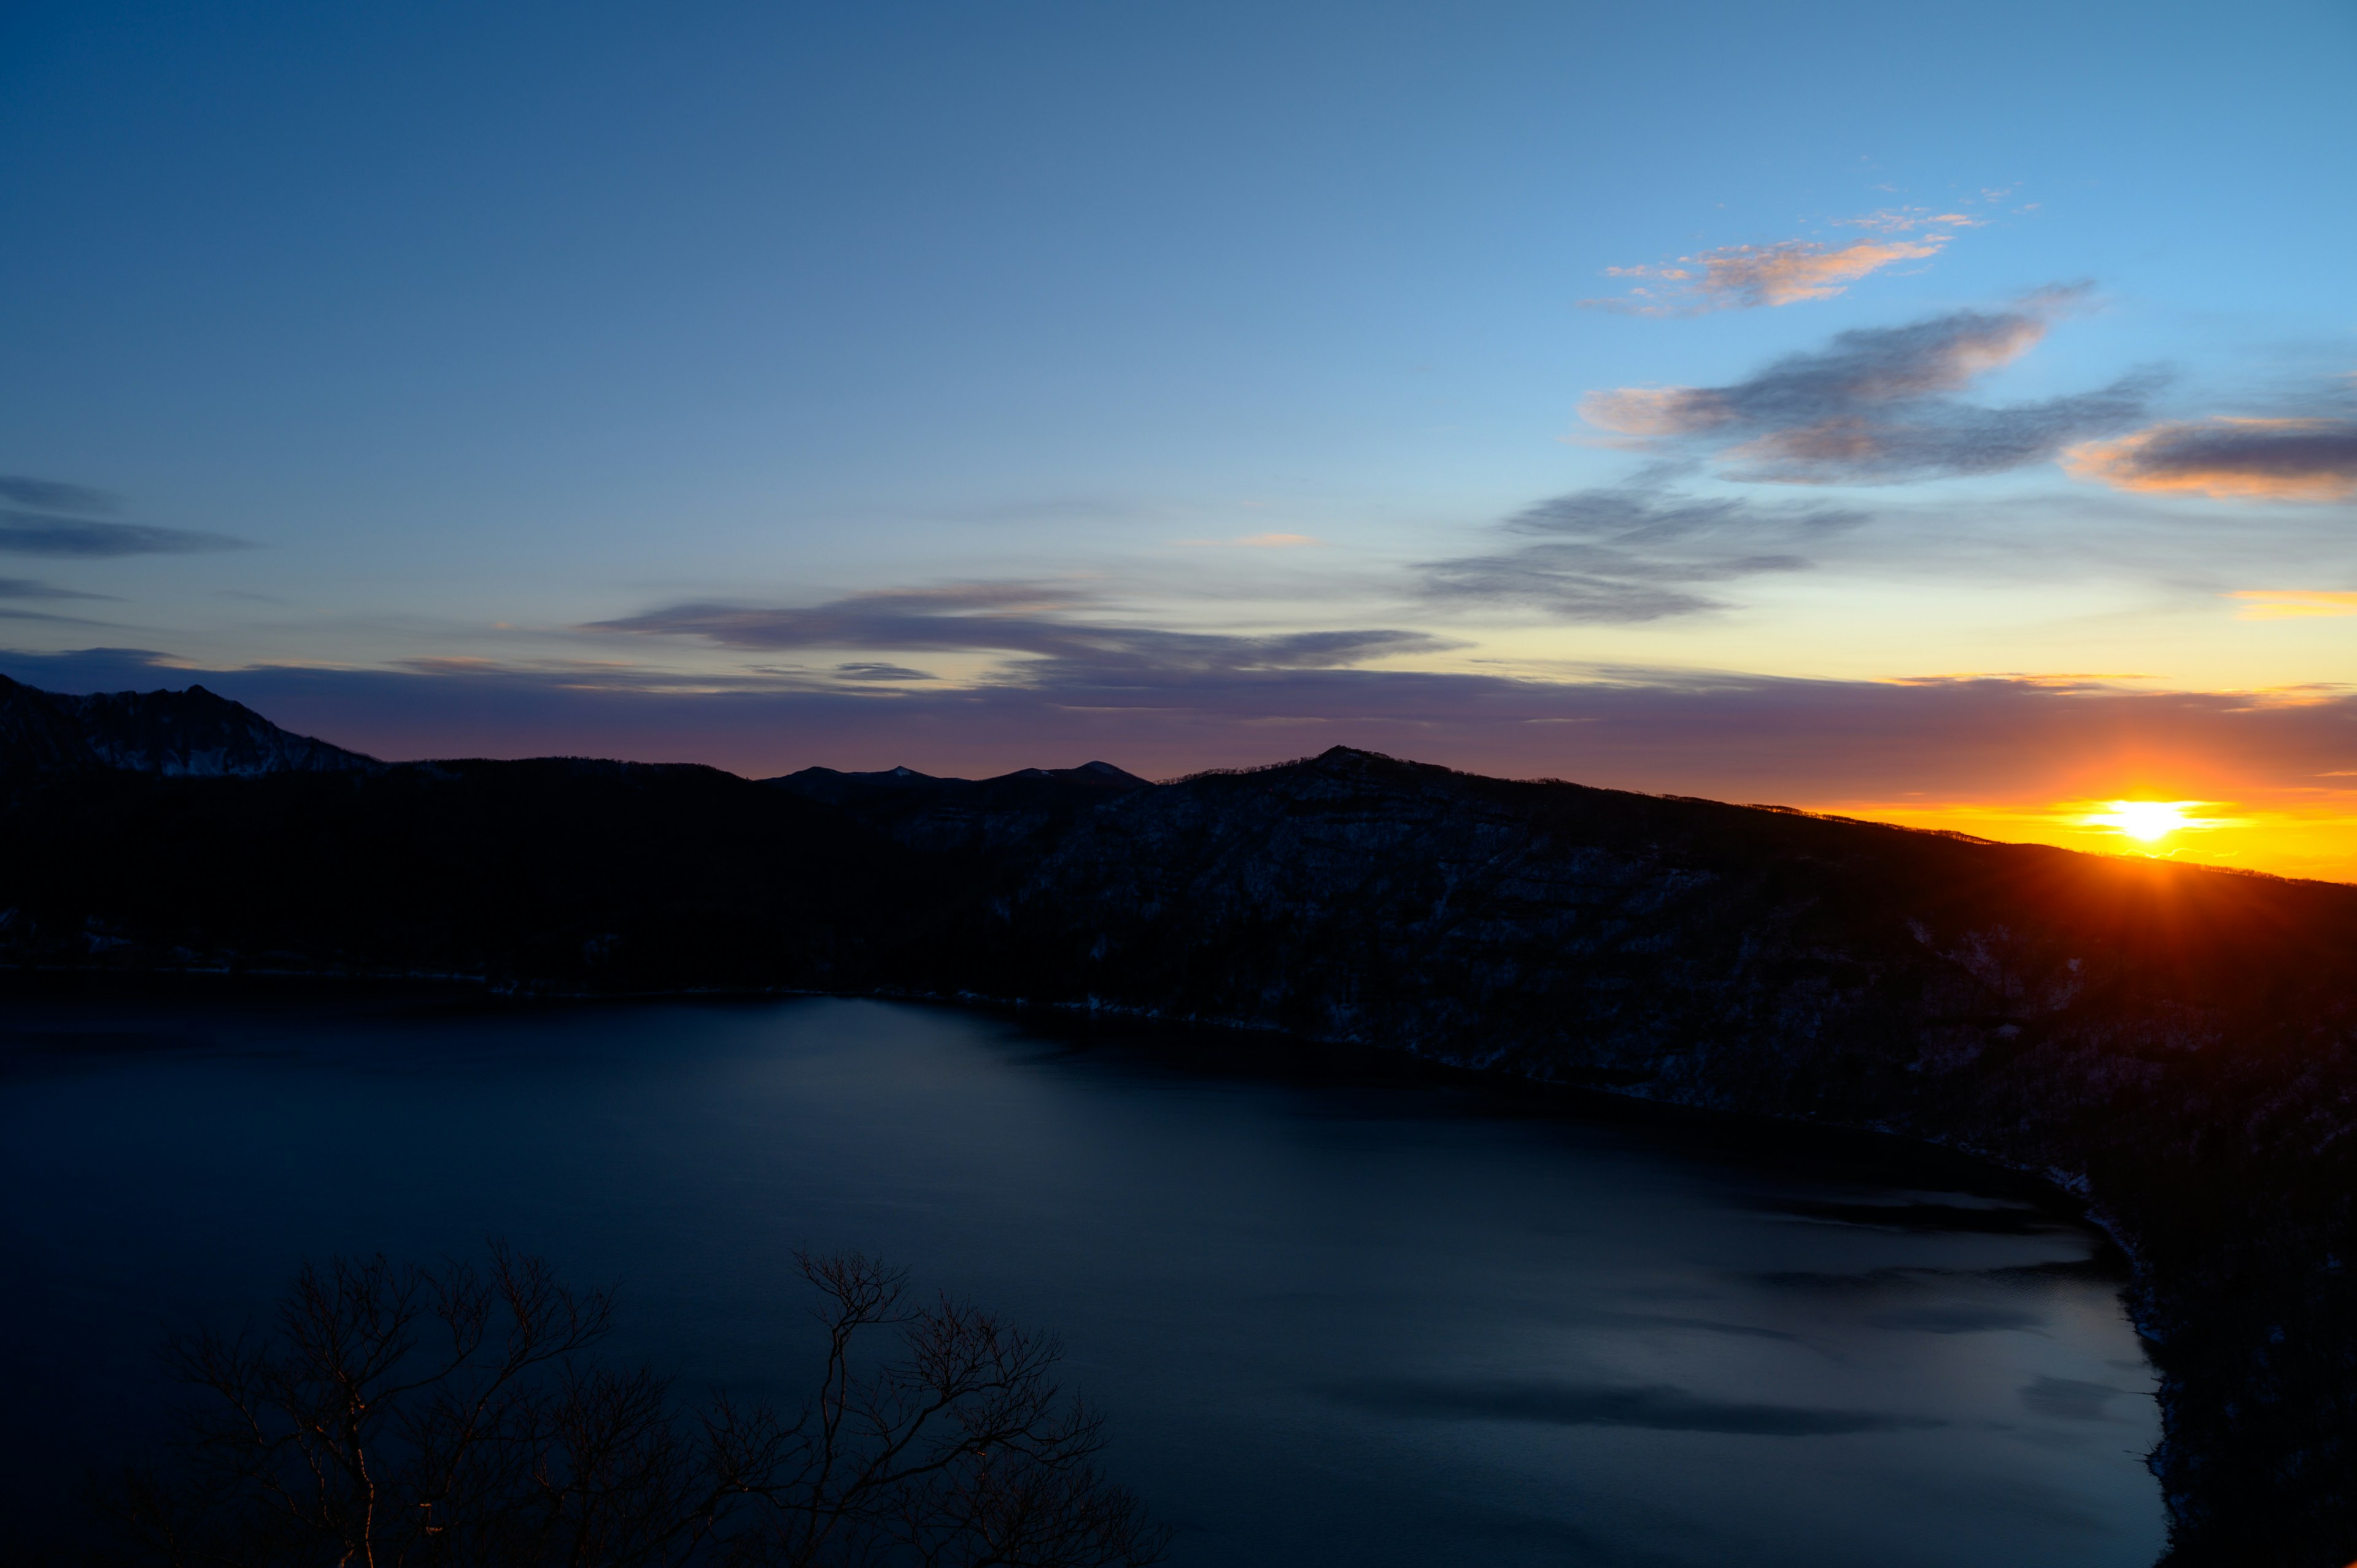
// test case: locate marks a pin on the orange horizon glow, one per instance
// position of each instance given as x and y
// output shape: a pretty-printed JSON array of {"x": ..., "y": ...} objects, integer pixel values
[
  {"x": 2288, "y": 604},
  {"x": 2307, "y": 838},
  {"x": 2148, "y": 820}
]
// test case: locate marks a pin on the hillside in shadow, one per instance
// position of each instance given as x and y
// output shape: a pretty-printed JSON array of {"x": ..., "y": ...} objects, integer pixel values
[{"x": 2174, "y": 1043}]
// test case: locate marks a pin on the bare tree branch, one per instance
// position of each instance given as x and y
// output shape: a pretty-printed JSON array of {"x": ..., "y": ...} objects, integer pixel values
[{"x": 399, "y": 1416}]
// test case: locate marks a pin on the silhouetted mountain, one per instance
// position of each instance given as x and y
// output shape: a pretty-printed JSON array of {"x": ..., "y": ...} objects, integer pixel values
[
  {"x": 921, "y": 811},
  {"x": 2179, "y": 1044},
  {"x": 827, "y": 784},
  {"x": 191, "y": 732}
]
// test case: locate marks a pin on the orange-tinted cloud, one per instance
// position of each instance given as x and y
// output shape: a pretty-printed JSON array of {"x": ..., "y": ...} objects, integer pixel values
[
  {"x": 1907, "y": 220},
  {"x": 1876, "y": 366},
  {"x": 2231, "y": 459},
  {"x": 1873, "y": 407},
  {"x": 1743, "y": 278},
  {"x": 2288, "y": 604}
]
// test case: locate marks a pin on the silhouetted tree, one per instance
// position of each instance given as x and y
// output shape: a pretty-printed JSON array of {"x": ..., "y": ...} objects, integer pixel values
[{"x": 401, "y": 1416}]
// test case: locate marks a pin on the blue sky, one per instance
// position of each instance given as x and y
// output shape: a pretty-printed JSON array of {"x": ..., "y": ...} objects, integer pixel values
[{"x": 508, "y": 379}]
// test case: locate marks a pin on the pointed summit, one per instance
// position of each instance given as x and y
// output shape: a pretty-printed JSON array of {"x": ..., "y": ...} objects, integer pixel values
[
  {"x": 1098, "y": 773},
  {"x": 194, "y": 732},
  {"x": 1106, "y": 771}
]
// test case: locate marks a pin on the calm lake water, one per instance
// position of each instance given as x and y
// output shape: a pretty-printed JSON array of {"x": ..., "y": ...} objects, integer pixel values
[{"x": 1337, "y": 1314}]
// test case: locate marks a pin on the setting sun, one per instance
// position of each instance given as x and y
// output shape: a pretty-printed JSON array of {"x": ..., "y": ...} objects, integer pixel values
[{"x": 2146, "y": 820}]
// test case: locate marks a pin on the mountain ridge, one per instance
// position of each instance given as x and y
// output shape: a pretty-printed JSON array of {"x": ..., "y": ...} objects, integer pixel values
[
  {"x": 193, "y": 731},
  {"x": 2177, "y": 1043}
]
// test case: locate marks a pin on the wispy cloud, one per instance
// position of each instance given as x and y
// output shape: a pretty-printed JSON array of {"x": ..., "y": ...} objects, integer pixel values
[
  {"x": 52, "y": 495},
  {"x": 2292, "y": 603},
  {"x": 1633, "y": 554},
  {"x": 25, "y": 588},
  {"x": 1747, "y": 277},
  {"x": 1743, "y": 277},
  {"x": 1908, "y": 220},
  {"x": 1873, "y": 407},
  {"x": 46, "y": 517},
  {"x": 38, "y": 533},
  {"x": 1026, "y": 620},
  {"x": 7, "y": 613},
  {"x": 869, "y": 671},
  {"x": 21, "y": 588},
  {"x": 2299, "y": 459},
  {"x": 1258, "y": 542}
]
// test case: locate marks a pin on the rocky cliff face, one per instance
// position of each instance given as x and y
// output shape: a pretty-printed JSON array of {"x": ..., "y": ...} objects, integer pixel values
[{"x": 2181, "y": 1044}]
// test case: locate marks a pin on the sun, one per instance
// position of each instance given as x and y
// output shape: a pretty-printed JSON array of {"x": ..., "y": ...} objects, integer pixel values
[{"x": 2146, "y": 820}]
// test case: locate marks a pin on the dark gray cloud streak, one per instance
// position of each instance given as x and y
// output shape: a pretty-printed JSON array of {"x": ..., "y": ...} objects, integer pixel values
[
  {"x": 2276, "y": 452},
  {"x": 25, "y": 588},
  {"x": 868, "y": 670},
  {"x": 2306, "y": 457},
  {"x": 1018, "y": 619},
  {"x": 50, "y": 495},
  {"x": 21, "y": 588},
  {"x": 43, "y": 534},
  {"x": 7, "y": 614},
  {"x": 1632, "y": 554},
  {"x": 1876, "y": 406},
  {"x": 46, "y": 517}
]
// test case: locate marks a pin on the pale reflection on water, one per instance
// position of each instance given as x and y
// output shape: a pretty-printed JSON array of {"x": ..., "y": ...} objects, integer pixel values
[{"x": 1336, "y": 1317}]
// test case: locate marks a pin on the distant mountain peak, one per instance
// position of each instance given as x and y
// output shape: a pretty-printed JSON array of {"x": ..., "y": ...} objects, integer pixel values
[
  {"x": 193, "y": 733},
  {"x": 1106, "y": 771},
  {"x": 1086, "y": 773}
]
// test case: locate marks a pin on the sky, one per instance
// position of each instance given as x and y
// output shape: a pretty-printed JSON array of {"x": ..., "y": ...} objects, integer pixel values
[{"x": 1943, "y": 415}]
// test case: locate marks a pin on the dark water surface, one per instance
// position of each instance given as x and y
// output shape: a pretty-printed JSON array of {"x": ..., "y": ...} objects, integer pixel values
[{"x": 1335, "y": 1316}]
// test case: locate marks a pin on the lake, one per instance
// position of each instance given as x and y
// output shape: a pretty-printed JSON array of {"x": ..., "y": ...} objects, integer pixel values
[{"x": 1338, "y": 1310}]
